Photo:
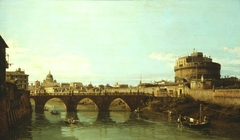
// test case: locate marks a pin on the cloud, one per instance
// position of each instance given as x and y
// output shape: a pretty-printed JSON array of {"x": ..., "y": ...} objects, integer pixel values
[
  {"x": 16, "y": 53},
  {"x": 71, "y": 64},
  {"x": 14, "y": 48},
  {"x": 235, "y": 50},
  {"x": 167, "y": 58},
  {"x": 230, "y": 59},
  {"x": 229, "y": 62},
  {"x": 65, "y": 68}
]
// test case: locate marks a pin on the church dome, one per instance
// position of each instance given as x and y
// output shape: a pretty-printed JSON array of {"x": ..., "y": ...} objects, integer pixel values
[{"x": 49, "y": 77}]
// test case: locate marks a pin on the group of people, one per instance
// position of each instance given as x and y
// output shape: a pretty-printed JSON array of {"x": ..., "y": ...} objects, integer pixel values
[
  {"x": 205, "y": 119},
  {"x": 71, "y": 120},
  {"x": 191, "y": 120}
]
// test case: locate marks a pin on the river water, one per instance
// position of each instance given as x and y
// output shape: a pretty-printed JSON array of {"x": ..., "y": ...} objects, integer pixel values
[{"x": 113, "y": 125}]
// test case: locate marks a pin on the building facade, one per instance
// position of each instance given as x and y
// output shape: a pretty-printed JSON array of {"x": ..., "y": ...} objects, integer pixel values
[
  {"x": 117, "y": 85},
  {"x": 3, "y": 61},
  {"x": 18, "y": 77},
  {"x": 14, "y": 102},
  {"x": 49, "y": 85}
]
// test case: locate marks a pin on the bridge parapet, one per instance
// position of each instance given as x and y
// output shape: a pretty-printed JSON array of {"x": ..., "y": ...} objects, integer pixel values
[{"x": 92, "y": 93}]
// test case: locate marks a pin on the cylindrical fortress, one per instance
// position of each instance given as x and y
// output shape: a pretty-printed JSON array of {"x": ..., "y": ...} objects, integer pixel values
[{"x": 196, "y": 66}]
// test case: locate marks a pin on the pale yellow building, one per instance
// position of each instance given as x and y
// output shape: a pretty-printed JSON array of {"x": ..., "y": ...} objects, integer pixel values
[{"x": 18, "y": 77}]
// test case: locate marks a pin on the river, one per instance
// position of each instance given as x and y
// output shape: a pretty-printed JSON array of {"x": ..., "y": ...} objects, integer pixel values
[{"x": 113, "y": 125}]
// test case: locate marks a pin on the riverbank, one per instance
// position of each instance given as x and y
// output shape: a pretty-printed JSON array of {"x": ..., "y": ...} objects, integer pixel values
[
  {"x": 223, "y": 118},
  {"x": 187, "y": 106}
]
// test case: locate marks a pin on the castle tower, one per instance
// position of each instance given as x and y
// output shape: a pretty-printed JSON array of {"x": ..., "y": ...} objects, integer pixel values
[{"x": 195, "y": 66}]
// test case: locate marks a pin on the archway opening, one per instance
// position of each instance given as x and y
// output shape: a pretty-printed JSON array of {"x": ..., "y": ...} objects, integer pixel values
[
  {"x": 54, "y": 110},
  {"x": 119, "y": 105},
  {"x": 87, "y": 111},
  {"x": 87, "y": 104},
  {"x": 55, "y": 104},
  {"x": 119, "y": 111}
]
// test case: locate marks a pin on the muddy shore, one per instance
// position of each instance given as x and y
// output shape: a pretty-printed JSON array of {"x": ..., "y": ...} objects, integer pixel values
[{"x": 222, "y": 118}]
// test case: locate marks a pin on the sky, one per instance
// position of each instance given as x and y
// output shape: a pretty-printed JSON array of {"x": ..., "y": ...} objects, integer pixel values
[{"x": 108, "y": 42}]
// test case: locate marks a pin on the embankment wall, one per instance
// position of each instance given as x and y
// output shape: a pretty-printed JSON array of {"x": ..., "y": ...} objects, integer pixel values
[
  {"x": 223, "y": 97},
  {"x": 13, "y": 108},
  {"x": 3, "y": 116}
]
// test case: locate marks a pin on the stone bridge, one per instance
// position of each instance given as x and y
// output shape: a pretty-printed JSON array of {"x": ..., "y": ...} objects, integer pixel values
[{"x": 102, "y": 101}]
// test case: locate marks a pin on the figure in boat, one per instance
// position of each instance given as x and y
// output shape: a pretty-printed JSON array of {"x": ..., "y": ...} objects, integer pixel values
[
  {"x": 71, "y": 121},
  {"x": 195, "y": 123},
  {"x": 54, "y": 112}
]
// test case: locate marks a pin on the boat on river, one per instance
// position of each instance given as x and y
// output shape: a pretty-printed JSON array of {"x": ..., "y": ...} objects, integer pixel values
[
  {"x": 195, "y": 123},
  {"x": 54, "y": 112},
  {"x": 71, "y": 121}
]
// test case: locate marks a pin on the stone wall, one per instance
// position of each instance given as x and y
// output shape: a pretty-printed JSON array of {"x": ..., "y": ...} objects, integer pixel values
[
  {"x": 3, "y": 119},
  {"x": 229, "y": 97},
  {"x": 15, "y": 104},
  {"x": 224, "y": 97}
]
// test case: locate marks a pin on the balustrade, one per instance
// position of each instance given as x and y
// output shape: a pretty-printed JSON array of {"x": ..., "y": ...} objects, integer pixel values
[{"x": 91, "y": 93}]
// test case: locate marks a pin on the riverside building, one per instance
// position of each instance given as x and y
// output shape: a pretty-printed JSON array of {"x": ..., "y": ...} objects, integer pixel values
[{"x": 18, "y": 77}]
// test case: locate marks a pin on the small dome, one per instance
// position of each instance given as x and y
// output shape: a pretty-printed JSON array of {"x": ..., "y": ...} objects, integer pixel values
[{"x": 90, "y": 86}]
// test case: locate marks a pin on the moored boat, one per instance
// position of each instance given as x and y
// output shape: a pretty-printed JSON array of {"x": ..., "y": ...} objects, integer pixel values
[
  {"x": 195, "y": 123},
  {"x": 201, "y": 125}
]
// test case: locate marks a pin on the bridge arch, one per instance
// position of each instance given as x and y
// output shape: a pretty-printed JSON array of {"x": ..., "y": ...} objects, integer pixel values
[
  {"x": 57, "y": 101},
  {"x": 88, "y": 102},
  {"x": 118, "y": 102},
  {"x": 40, "y": 102},
  {"x": 132, "y": 101},
  {"x": 104, "y": 103}
]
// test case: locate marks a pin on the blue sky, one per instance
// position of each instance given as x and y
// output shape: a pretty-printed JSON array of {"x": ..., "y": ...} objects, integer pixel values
[{"x": 104, "y": 42}]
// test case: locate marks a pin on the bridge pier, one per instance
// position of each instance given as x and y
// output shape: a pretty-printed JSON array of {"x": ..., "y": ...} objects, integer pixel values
[
  {"x": 39, "y": 108},
  {"x": 103, "y": 116},
  {"x": 71, "y": 108}
]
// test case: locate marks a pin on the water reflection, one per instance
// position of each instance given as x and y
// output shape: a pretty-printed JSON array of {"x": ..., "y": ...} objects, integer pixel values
[
  {"x": 87, "y": 116},
  {"x": 106, "y": 125}
]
